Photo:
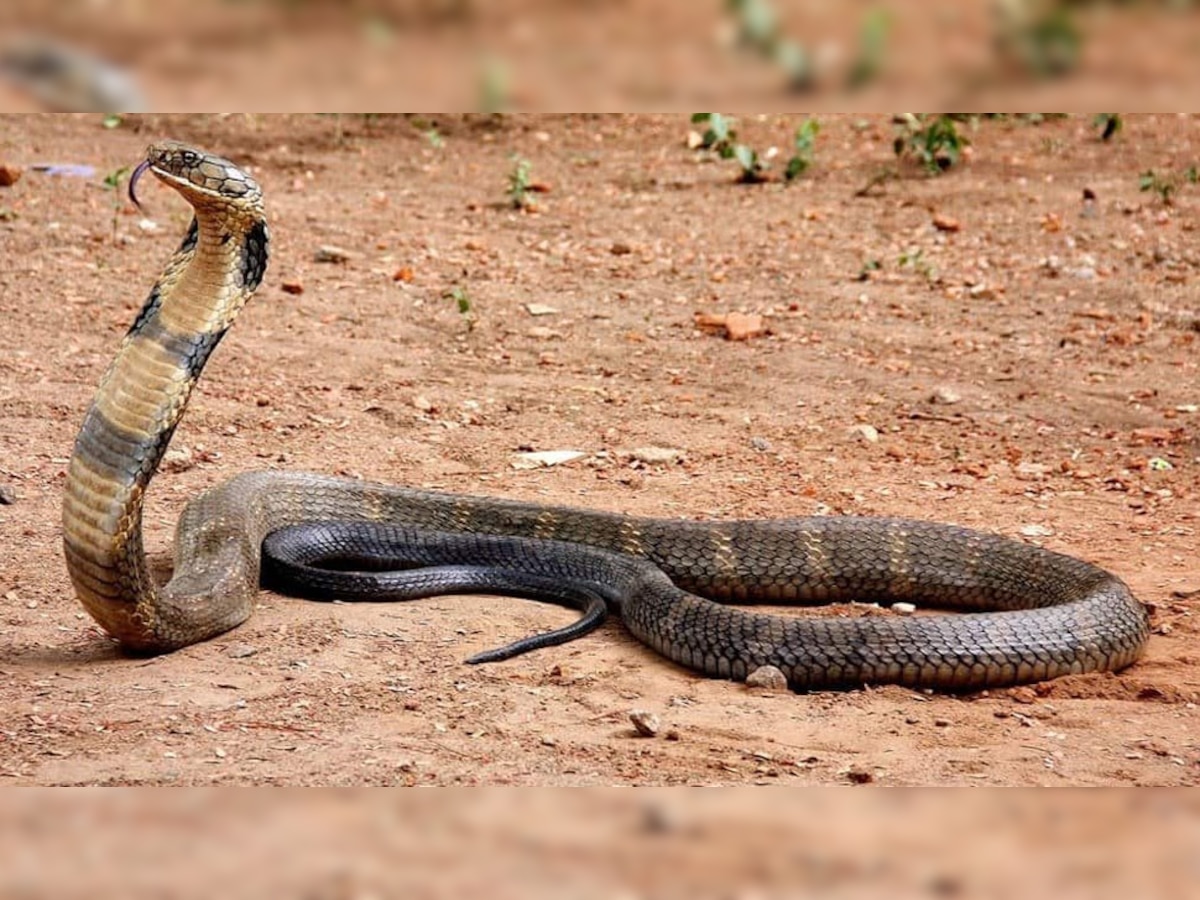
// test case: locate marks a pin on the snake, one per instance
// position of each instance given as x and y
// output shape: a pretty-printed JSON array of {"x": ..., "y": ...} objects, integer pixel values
[{"x": 1010, "y": 612}]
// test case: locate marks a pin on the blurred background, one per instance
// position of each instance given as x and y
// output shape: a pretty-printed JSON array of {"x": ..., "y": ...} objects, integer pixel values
[
  {"x": 491, "y": 55},
  {"x": 741, "y": 843}
]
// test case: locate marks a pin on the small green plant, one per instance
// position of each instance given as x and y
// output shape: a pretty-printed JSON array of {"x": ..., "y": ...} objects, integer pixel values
[
  {"x": 1108, "y": 123},
  {"x": 428, "y": 130},
  {"x": 112, "y": 120},
  {"x": 719, "y": 134},
  {"x": 804, "y": 142},
  {"x": 1166, "y": 186},
  {"x": 518, "y": 183},
  {"x": 754, "y": 170},
  {"x": 1163, "y": 185},
  {"x": 931, "y": 140},
  {"x": 915, "y": 260},
  {"x": 462, "y": 300},
  {"x": 720, "y": 137},
  {"x": 869, "y": 266},
  {"x": 112, "y": 182}
]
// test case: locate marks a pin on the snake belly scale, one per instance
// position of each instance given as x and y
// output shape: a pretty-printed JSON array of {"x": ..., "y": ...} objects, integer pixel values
[{"x": 1031, "y": 614}]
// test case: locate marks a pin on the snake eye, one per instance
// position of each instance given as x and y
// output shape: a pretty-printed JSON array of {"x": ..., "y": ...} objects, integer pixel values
[{"x": 190, "y": 158}]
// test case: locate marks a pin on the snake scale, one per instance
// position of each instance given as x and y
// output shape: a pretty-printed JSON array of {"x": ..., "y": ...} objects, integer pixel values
[{"x": 1030, "y": 614}]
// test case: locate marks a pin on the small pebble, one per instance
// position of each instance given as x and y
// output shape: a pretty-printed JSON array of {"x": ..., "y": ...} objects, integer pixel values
[
  {"x": 240, "y": 650},
  {"x": 859, "y": 776},
  {"x": 328, "y": 253},
  {"x": 904, "y": 609},
  {"x": 1023, "y": 695},
  {"x": 292, "y": 287},
  {"x": 868, "y": 433},
  {"x": 646, "y": 722},
  {"x": 657, "y": 455},
  {"x": 9, "y": 174},
  {"x": 946, "y": 223},
  {"x": 8, "y": 496},
  {"x": 941, "y": 723},
  {"x": 743, "y": 326},
  {"x": 767, "y": 678},
  {"x": 945, "y": 394},
  {"x": 178, "y": 459},
  {"x": 620, "y": 248},
  {"x": 734, "y": 326}
]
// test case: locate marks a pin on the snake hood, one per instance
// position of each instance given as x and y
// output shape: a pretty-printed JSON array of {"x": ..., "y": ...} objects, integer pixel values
[
  {"x": 204, "y": 179},
  {"x": 142, "y": 396}
]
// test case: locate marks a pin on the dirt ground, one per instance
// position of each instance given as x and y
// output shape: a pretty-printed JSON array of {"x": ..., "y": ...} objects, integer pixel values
[{"x": 1025, "y": 359}]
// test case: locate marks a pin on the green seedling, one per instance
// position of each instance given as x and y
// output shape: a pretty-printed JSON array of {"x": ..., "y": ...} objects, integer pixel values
[
  {"x": 462, "y": 300},
  {"x": 1164, "y": 186},
  {"x": 869, "y": 266},
  {"x": 804, "y": 142},
  {"x": 1167, "y": 186},
  {"x": 915, "y": 260},
  {"x": 719, "y": 135},
  {"x": 518, "y": 183},
  {"x": 932, "y": 141},
  {"x": 112, "y": 182},
  {"x": 428, "y": 130},
  {"x": 720, "y": 138}
]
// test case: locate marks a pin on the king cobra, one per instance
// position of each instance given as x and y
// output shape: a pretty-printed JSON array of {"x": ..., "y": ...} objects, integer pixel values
[{"x": 1022, "y": 613}]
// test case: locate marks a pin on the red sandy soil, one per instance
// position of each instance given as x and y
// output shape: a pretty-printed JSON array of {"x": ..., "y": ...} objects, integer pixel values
[{"x": 1064, "y": 332}]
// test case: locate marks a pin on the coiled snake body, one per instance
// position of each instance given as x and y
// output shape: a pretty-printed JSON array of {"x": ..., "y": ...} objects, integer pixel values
[{"x": 1032, "y": 614}]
